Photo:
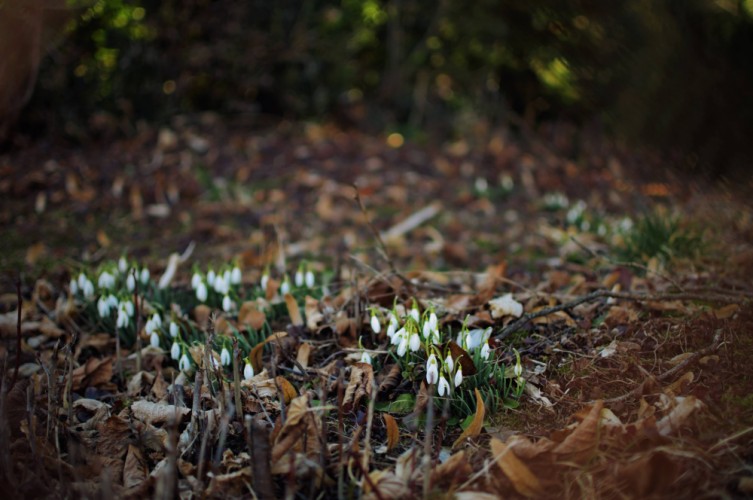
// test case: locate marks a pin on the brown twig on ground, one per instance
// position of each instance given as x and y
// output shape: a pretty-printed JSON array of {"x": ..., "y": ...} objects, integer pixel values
[
  {"x": 237, "y": 381},
  {"x": 369, "y": 422},
  {"x": 636, "y": 297},
  {"x": 428, "y": 441},
  {"x": 669, "y": 374},
  {"x": 18, "y": 334},
  {"x": 137, "y": 315}
]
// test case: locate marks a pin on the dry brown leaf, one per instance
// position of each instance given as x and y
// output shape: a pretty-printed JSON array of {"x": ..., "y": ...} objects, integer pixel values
[
  {"x": 521, "y": 477},
  {"x": 727, "y": 311},
  {"x": 249, "y": 314},
  {"x": 580, "y": 443},
  {"x": 303, "y": 354},
  {"x": 287, "y": 389},
  {"x": 676, "y": 418},
  {"x": 293, "y": 310},
  {"x": 388, "y": 485},
  {"x": 153, "y": 413},
  {"x": 459, "y": 355},
  {"x": 134, "y": 470},
  {"x": 95, "y": 372},
  {"x": 393, "y": 433},
  {"x": 314, "y": 316},
  {"x": 649, "y": 475},
  {"x": 359, "y": 386},
  {"x": 201, "y": 314},
  {"x": 256, "y": 353},
  {"x": 474, "y": 429},
  {"x": 454, "y": 470},
  {"x": 678, "y": 386}
]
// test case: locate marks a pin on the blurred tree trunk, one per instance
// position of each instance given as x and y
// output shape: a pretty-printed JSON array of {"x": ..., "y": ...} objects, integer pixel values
[{"x": 26, "y": 29}]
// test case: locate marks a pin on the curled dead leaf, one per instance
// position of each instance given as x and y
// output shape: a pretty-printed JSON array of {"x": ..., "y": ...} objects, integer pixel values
[
  {"x": 287, "y": 389},
  {"x": 521, "y": 477},
  {"x": 474, "y": 429},
  {"x": 393, "y": 433},
  {"x": 582, "y": 441},
  {"x": 293, "y": 310},
  {"x": 249, "y": 314}
]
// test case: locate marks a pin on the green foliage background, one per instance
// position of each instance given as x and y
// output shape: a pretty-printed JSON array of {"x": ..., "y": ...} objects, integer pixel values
[{"x": 673, "y": 73}]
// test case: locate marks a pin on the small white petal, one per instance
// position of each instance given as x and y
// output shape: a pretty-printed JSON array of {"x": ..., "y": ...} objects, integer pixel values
[
  {"x": 375, "y": 326},
  {"x": 485, "y": 351},
  {"x": 299, "y": 279},
  {"x": 365, "y": 357},
  {"x": 310, "y": 279},
  {"x": 184, "y": 364},
  {"x": 433, "y": 321},
  {"x": 444, "y": 386},
  {"x": 449, "y": 363},
  {"x": 175, "y": 351},
  {"x": 122, "y": 265},
  {"x": 415, "y": 315},
  {"x": 195, "y": 280},
  {"x": 402, "y": 348},
  {"x": 144, "y": 276},
  {"x": 415, "y": 342},
  {"x": 130, "y": 282},
  {"x": 225, "y": 356},
  {"x": 227, "y": 304},
  {"x": 157, "y": 320},
  {"x": 154, "y": 339},
  {"x": 248, "y": 371},
  {"x": 285, "y": 287},
  {"x": 174, "y": 329},
  {"x": 73, "y": 285},
  {"x": 432, "y": 373},
  {"x": 235, "y": 276},
  {"x": 459, "y": 376},
  {"x": 201, "y": 292},
  {"x": 264, "y": 282},
  {"x": 391, "y": 330},
  {"x": 211, "y": 276}
]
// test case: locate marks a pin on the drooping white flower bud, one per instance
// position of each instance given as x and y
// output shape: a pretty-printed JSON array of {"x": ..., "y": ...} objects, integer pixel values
[
  {"x": 432, "y": 370},
  {"x": 449, "y": 363},
  {"x": 225, "y": 356},
  {"x": 415, "y": 342},
  {"x": 144, "y": 278},
  {"x": 175, "y": 351},
  {"x": 310, "y": 279},
  {"x": 235, "y": 276},
  {"x": 174, "y": 329},
  {"x": 485, "y": 351},
  {"x": 130, "y": 282},
  {"x": 366, "y": 358},
  {"x": 299, "y": 278},
  {"x": 195, "y": 280},
  {"x": 248, "y": 371},
  {"x": 211, "y": 276},
  {"x": 122, "y": 265},
  {"x": 201, "y": 292},
  {"x": 459, "y": 376},
  {"x": 375, "y": 325},
  {"x": 154, "y": 339},
  {"x": 227, "y": 304},
  {"x": 443, "y": 387},
  {"x": 184, "y": 364}
]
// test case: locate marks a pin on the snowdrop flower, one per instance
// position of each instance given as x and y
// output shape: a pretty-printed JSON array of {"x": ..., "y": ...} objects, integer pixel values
[
  {"x": 122, "y": 265},
  {"x": 175, "y": 351},
  {"x": 184, "y": 364},
  {"x": 285, "y": 287},
  {"x": 88, "y": 289},
  {"x": 391, "y": 330},
  {"x": 433, "y": 321},
  {"x": 154, "y": 339},
  {"x": 398, "y": 336},
  {"x": 415, "y": 314},
  {"x": 366, "y": 358},
  {"x": 157, "y": 320},
  {"x": 73, "y": 285},
  {"x": 211, "y": 276},
  {"x": 264, "y": 281},
  {"x": 201, "y": 292},
  {"x": 444, "y": 386},
  {"x": 485, "y": 351},
  {"x": 375, "y": 326},
  {"x": 475, "y": 338},
  {"x": 402, "y": 347},
  {"x": 149, "y": 326},
  {"x": 82, "y": 279},
  {"x": 432, "y": 370},
  {"x": 128, "y": 305},
  {"x": 449, "y": 363},
  {"x": 248, "y": 371},
  {"x": 112, "y": 301},
  {"x": 505, "y": 306},
  {"x": 219, "y": 285},
  {"x": 130, "y": 282},
  {"x": 235, "y": 276},
  {"x": 518, "y": 370},
  {"x": 103, "y": 307},
  {"x": 415, "y": 342},
  {"x": 299, "y": 278},
  {"x": 426, "y": 330},
  {"x": 227, "y": 304},
  {"x": 225, "y": 356},
  {"x": 459, "y": 376},
  {"x": 309, "y": 279},
  {"x": 123, "y": 316},
  {"x": 226, "y": 277},
  {"x": 144, "y": 276},
  {"x": 106, "y": 280},
  {"x": 174, "y": 329},
  {"x": 195, "y": 280}
]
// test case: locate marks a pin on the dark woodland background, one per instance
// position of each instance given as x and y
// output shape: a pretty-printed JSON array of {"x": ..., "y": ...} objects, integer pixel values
[{"x": 675, "y": 76}]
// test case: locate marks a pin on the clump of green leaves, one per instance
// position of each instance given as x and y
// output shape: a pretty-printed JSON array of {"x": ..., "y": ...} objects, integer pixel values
[{"x": 662, "y": 236}]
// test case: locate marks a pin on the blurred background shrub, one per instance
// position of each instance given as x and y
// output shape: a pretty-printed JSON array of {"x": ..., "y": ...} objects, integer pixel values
[{"x": 675, "y": 74}]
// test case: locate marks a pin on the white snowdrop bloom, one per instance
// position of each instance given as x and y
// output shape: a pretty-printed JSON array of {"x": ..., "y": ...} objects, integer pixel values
[
  {"x": 195, "y": 280},
  {"x": 393, "y": 319},
  {"x": 112, "y": 301},
  {"x": 264, "y": 281},
  {"x": 285, "y": 287},
  {"x": 235, "y": 276},
  {"x": 481, "y": 185},
  {"x": 226, "y": 277},
  {"x": 433, "y": 321},
  {"x": 459, "y": 376},
  {"x": 103, "y": 307},
  {"x": 149, "y": 326},
  {"x": 219, "y": 285},
  {"x": 88, "y": 289},
  {"x": 122, "y": 265},
  {"x": 201, "y": 292},
  {"x": 82, "y": 279},
  {"x": 426, "y": 330},
  {"x": 154, "y": 339},
  {"x": 505, "y": 306},
  {"x": 211, "y": 276},
  {"x": 415, "y": 342},
  {"x": 174, "y": 329},
  {"x": 122, "y": 320},
  {"x": 225, "y": 356},
  {"x": 130, "y": 282},
  {"x": 106, "y": 280},
  {"x": 175, "y": 351},
  {"x": 391, "y": 330},
  {"x": 157, "y": 320},
  {"x": 402, "y": 347},
  {"x": 144, "y": 278},
  {"x": 248, "y": 371},
  {"x": 435, "y": 338},
  {"x": 449, "y": 363},
  {"x": 518, "y": 369},
  {"x": 375, "y": 326},
  {"x": 415, "y": 314},
  {"x": 443, "y": 387},
  {"x": 485, "y": 351},
  {"x": 227, "y": 304},
  {"x": 432, "y": 370},
  {"x": 73, "y": 285},
  {"x": 298, "y": 278},
  {"x": 310, "y": 279},
  {"x": 184, "y": 364},
  {"x": 398, "y": 336},
  {"x": 366, "y": 358},
  {"x": 128, "y": 305},
  {"x": 474, "y": 338}
]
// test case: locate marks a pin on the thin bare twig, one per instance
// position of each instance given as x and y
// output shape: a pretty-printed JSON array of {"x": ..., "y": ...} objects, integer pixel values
[{"x": 18, "y": 334}]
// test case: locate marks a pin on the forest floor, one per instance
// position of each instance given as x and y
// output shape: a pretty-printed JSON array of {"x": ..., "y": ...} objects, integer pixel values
[{"x": 633, "y": 342}]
